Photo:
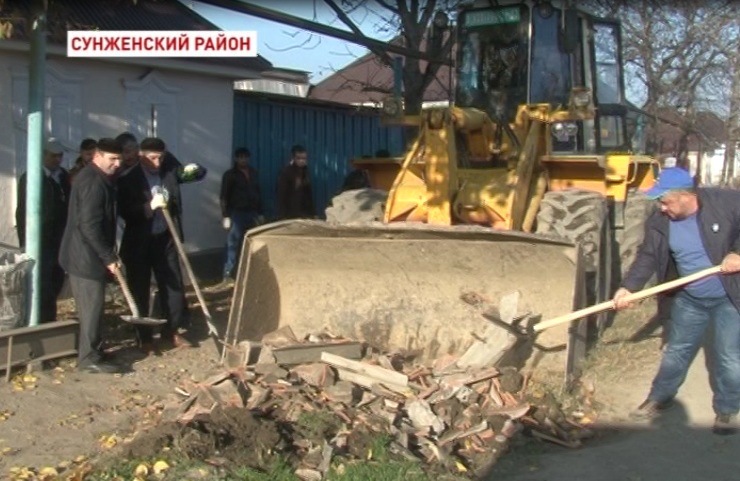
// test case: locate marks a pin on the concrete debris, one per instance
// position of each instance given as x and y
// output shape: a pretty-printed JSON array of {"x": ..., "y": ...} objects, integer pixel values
[{"x": 440, "y": 414}]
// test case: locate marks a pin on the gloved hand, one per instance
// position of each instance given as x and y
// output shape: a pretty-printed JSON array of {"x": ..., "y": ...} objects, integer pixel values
[
  {"x": 192, "y": 172},
  {"x": 226, "y": 223},
  {"x": 158, "y": 201}
]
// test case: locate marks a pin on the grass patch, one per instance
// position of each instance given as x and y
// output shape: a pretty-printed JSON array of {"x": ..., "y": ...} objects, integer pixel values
[
  {"x": 379, "y": 465},
  {"x": 389, "y": 471},
  {"x": 318, "y": 424}
]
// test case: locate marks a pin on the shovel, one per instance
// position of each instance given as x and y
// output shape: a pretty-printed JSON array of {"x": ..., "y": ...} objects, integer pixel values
[
  {"x": 135, "y": 317},
  {"x": 635, "y": 296},
  {"x": 181, "y": 251}
]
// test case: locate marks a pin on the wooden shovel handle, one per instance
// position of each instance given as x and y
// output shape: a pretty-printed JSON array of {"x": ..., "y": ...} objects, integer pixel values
[
  {"x": 185, "y": 261},
  {"x": 635, "y": 296},
  {"x": 127, "y": 293}
]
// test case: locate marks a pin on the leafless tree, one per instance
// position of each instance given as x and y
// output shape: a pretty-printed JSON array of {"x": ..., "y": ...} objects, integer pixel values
[
  {"x": 411, "y": 24},
  {"x": 673, "y": 51}
]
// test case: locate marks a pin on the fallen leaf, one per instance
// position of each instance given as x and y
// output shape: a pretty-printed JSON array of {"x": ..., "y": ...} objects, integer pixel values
[
  {"x": 460, "y": 467},
  {"x": 107, "y": 442},
  {"x": 141, "y": 470},
  {"x": 48, "y": 474},
  {"x": 160, "y": 467},
  {"x": 80, "y": 459},
  {"x": 56, "y": 381},
  {"x": 30, "y": 378}
]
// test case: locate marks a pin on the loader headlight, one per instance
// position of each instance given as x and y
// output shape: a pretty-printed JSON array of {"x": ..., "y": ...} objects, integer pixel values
[{"x": 563, "y": 131}]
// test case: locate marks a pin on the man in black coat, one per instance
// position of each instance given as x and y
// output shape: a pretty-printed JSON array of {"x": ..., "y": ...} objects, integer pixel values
[
  {"x": 88, "y": 250},
  {"x": 55, "y": 193},
  {"x": 694, "y": 229},
  {"x": 294, "y": 192},
  {"x": 146, "y": 244}
]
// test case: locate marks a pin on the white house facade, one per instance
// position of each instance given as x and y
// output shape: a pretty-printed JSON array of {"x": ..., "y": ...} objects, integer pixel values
[{"x": 187, "y": 103}]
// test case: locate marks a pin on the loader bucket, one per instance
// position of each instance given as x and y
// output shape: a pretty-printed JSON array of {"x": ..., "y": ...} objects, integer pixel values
[{"x": 398, "y": 286}]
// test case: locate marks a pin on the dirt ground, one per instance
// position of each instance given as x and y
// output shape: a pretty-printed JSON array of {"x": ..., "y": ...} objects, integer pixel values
[
  {"x": 57, "y": 414},
  {"x": 61, "y": 418}
]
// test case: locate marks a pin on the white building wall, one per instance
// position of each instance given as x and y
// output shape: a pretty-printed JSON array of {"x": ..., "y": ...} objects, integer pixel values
[{"x": 94, "y": 98}]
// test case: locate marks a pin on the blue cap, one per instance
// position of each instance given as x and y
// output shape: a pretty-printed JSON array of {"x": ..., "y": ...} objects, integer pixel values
[{"x": 674, "y": 178}]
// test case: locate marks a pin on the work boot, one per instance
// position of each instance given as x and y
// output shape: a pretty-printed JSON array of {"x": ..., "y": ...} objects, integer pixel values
[
  {"x": 725, "y": 424},
  {"x": 650, "y": 409}
]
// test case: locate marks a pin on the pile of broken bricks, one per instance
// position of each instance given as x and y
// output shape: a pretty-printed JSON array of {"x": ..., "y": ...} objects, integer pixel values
[{"x": 459, "y": 418}]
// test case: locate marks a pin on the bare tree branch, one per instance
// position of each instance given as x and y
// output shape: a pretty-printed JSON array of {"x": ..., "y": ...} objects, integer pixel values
[{"x": 347, "y": 21}]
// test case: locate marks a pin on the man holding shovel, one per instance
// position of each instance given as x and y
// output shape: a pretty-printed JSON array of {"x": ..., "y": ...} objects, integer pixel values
[
  {"x": 88, "y": 249},
  {"x": 147, "y": 244},
  {"x": 694, "y": 229}
]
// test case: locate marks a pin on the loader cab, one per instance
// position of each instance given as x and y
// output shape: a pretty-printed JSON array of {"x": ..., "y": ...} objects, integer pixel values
[{"x": 538, "y": 52}]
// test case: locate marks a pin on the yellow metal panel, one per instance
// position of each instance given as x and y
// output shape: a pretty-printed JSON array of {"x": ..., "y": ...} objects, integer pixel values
[{"x": 440, "y": 147}]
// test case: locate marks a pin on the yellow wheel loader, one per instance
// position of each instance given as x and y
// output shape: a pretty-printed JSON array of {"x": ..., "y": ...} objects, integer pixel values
[{"x": 528, "y": 183}]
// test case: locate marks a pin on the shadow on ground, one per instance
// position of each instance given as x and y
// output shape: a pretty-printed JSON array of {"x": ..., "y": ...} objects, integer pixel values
[{"x": 668, "y": 448}]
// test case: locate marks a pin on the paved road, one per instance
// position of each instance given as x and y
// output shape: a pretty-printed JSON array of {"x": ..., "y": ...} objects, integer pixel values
[{"x": 679, "y": 446}]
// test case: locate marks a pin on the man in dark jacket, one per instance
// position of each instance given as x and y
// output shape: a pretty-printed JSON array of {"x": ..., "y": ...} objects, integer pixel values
[
  {"x": 241, "y": 206},
  {"x": 88, "y": 251},
  {"x": 693, "y": 230},
  {"x": 294, "y": 193},
  {"x": 55, "y": 191},
  {"x": 146, "y": 244}
]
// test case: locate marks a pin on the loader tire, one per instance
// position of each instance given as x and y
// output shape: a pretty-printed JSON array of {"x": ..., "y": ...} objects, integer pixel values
[
  {"x": 357, "y": 206},
  {"x": 576, "y": 216},
  {"x": 636, "y": 211},
  {"x": 582, "y": 217}
]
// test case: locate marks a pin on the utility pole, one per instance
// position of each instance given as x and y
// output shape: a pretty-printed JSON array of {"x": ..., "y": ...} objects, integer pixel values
[{"x": 34, "y": 166}]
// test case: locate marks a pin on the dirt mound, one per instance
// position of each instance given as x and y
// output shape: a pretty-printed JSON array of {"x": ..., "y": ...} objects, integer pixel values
[{"x": 236, "y": 436}]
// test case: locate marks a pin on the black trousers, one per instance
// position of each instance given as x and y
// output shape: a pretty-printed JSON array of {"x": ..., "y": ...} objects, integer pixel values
[
  {"x": 52, "y": 282},
  {"x": 159, "y": 256},
  {"x": 90, "y": 300}
]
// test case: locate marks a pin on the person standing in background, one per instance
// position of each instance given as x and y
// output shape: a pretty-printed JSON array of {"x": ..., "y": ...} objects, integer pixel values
[
  {"x": 87, "y": 151},
  {"x": 294, "y": 192},
  {"x": 129, "y": 154},
  {"x": 241, "y": 206},
  {"x": 55, "y": 197}
]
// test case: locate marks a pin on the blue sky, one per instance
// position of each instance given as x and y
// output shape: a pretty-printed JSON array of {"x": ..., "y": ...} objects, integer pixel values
[{"x": 292, "y": 48}]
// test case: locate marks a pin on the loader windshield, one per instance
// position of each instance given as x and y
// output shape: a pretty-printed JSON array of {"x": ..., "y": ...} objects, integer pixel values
[
  {"x": 492, "y": 72},
  {"x": 551, "y": 81}
]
